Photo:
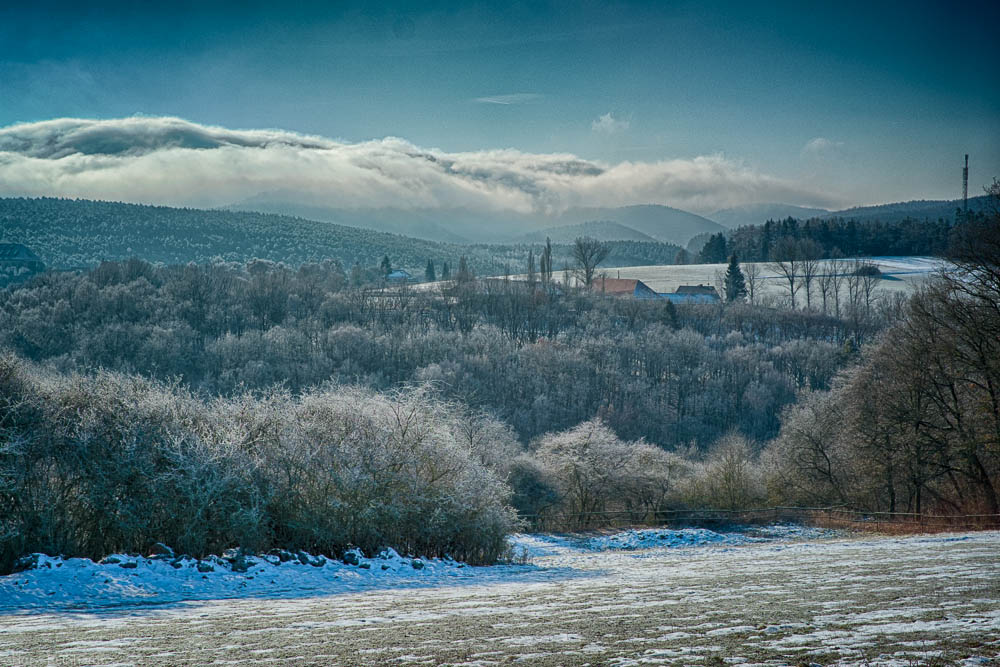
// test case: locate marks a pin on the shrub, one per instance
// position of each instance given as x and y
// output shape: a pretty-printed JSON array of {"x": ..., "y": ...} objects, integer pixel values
[{"x": 113, "y": 463}]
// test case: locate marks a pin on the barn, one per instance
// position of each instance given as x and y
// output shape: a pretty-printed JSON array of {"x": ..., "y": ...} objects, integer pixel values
[
  {"x": 623, "y": 287},
  {"x": 693, "y": 294}
]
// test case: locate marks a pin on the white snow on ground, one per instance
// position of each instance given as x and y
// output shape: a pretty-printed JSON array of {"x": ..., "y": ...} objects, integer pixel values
[
  {"x": 123, "y": 579},
  {"x": 664, "y": 538},
  {"x": 852, "y": 600}
]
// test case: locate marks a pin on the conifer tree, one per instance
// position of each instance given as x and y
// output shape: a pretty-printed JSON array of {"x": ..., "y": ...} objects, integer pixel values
[
  {"x": 734, "y": 283},
  {"x": 429, "y": 274}
]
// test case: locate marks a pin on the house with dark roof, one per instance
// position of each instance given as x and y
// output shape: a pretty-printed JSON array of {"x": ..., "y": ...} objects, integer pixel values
[
  {"x": 623, "y": 287},
  {"x": 693, "y": 294},
  {"x": 398, "y": 276}
]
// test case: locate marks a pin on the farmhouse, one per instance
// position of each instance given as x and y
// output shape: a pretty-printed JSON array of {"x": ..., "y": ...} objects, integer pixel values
[
  {"x": 693, "y": 294},
  {"x": 399, "y": 276},
  {"x": 623, "y": 287}
]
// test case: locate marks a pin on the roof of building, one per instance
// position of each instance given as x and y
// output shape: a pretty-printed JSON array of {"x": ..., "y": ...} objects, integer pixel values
[
  {"x": 697, "y": 289},
  {"x": 398, "y": 273},
  {"x": 615, "y": 285}
]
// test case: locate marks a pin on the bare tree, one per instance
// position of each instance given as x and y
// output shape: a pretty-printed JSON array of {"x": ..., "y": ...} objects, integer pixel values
[
  {"x": 785, "y": 262},
  {"x": 588, "y": 253},
  {"x": 809, "y": 254},
  {"x": 752, "y": 278},
  {"x": 545, "y": 262},
  {"x": 836, "y": 270}
]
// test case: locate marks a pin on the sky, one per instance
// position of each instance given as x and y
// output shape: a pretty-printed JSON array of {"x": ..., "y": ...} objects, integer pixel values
[{"x": 700, "y": 105}]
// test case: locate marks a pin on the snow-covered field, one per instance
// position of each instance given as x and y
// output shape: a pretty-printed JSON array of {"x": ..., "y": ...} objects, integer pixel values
[
  {"x": 783, "y": 595},
  {"x": 899, "y": 274}
]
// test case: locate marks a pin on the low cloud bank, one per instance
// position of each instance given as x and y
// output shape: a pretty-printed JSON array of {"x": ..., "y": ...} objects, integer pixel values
[{"x": 172, "y": 161}]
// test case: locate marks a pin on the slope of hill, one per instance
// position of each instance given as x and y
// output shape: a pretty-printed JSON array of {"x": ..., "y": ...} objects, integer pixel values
[
  {"x": 421, "y": 224},
  {"x": 602, "y": 230},
  {"x": 919, "y": 209},
  {"x": 756, "y": 214},
  {"x": 462, "y": 225},
  {"x": 448, "y": 225},
  {"x": 663, "y": 223},
  {"x": 69, "y": 233}
]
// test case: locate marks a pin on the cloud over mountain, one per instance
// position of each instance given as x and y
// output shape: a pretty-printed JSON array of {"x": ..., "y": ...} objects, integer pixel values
[{"x": 168, "y": 160}]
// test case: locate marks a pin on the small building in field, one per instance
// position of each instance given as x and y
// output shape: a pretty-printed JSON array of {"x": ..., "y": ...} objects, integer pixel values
[
  {"x": 693, "y": 294},
  {"x": 398, "y": 276},
  {"x": 623, "y": 287}
]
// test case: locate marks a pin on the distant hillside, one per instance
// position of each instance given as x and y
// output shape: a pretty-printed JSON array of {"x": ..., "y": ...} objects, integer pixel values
[
  {"x": 602, "y": 230},
  {"x": 67, "y": 233},
  {"x": 756, "y": 214},
  {"x": 75, "y": 233},
  {"x": 461, "y": 225},
  {"x": 448, "y": 225},
  {"x": 920, "y": 210},
  {"x": 421, "y": 224},
  {"x": 660, "y": 222}
]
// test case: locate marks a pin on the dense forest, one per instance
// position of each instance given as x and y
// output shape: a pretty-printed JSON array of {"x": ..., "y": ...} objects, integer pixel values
[{"x": 831, "y": 238}]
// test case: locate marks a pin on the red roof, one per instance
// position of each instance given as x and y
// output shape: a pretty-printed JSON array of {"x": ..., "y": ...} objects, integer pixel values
[{"x": 614, "y": 285}]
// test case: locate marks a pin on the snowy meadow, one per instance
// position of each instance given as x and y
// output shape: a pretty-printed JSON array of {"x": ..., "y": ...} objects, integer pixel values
[{"x": 780, "y": 595}]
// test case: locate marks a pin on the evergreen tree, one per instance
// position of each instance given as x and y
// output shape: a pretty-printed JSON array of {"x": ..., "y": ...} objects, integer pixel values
[
  {"x": 715, "y": 249},
  {"x": 386, "y": 265},
  {"x": 734, "y": 283},
  {"x": 682, "y": 257},
  {"x": 429, "y": 274},
  {"x": 445, "y": 271}
]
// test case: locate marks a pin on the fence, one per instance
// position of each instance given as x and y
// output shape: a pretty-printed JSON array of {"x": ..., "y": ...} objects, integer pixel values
[{"x": 838, "y": 516}]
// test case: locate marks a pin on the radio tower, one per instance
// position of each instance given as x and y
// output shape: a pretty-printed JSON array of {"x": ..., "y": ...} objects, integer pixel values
[{"x": 965, "y": 185}]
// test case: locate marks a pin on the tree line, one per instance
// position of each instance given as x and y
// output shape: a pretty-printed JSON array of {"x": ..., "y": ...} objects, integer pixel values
[{"x": 833, "y": 237}]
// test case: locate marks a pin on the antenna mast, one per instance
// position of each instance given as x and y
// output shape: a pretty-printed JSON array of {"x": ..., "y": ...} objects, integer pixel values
[{"x": 965, "y": 185}]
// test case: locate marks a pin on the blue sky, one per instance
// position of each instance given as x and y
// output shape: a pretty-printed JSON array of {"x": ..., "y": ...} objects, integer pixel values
[{"x": 857, "y": 103}]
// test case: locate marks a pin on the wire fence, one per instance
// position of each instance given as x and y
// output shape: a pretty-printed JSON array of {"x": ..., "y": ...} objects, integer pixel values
[{"x": 836, "y": 516}]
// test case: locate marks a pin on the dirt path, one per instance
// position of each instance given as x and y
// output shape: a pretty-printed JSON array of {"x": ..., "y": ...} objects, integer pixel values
[{"x": 899, "y": 601}]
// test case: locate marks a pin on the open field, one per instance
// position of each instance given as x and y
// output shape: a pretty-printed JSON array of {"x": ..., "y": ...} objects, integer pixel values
[
  {"x": 899, "y": 274},
  {"x": 847, "y": 600}
]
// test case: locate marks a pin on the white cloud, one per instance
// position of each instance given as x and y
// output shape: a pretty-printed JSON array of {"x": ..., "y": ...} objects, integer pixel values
[
  {"x": 820, "y": 146},
  {"x": 175, "y": 162},
  {"x": 608, "y": 124},
  {"x": 512, "y": 98}
]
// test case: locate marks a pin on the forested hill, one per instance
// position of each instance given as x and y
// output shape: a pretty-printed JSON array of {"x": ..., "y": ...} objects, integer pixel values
[
  {"x": 68, "y": 233},
  {"x": 78, "y": 233}
]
